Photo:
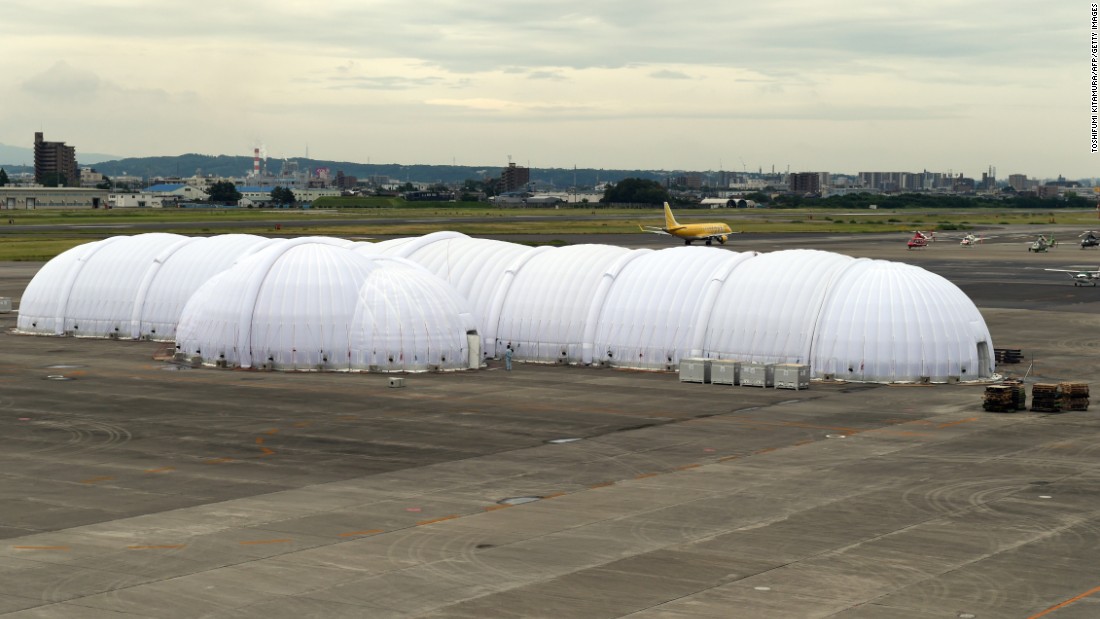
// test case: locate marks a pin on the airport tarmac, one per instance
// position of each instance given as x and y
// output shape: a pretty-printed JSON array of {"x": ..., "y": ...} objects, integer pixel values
[{"x": 132, "y": 487}]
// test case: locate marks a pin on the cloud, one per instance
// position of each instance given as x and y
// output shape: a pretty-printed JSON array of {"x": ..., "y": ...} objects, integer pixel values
[
  {"x": 63, "y": 81},
  {"x": 665, "y": 74}
]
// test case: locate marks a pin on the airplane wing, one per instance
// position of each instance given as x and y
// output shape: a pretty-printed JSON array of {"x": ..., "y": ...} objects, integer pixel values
[
  {"x": 1076, "y": 273},
  {"x": 653, "y": 229}
]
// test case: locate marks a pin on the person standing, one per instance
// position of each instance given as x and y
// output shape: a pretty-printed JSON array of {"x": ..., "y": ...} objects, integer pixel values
[{"x": 508, "y": 358}]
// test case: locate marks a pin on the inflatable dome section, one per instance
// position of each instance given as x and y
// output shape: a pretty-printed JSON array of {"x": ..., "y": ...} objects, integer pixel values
[
  {"x": 541, "y": 305},
  {"x": 647, "y": 313},
  {"x": 767, "y": 310},
  {"x": 894, "y": 322},
  {"x": 128, "y": 286},
  {"x": 309, "y": 305},
  {"x": 93, "y": 290},
  {"x": 475, "y": 267}
]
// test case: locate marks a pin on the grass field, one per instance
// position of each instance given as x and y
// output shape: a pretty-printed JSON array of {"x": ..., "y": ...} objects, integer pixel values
[{"x": 42, "y": 234}]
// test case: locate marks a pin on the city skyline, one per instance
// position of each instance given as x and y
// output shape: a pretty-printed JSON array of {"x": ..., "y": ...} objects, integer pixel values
[{"x": 642, "y": 85}]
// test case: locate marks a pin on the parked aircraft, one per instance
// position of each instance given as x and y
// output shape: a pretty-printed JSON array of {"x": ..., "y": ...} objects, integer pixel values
[
  {"x": 1089, "y": 239},
  {"x": 1080, "y": 278},
  {"x": 972, "y": 239},
  {"x": 690, "y": 232},
  {"x": 920, "y": 239},
  {"x": 1041, "y": 244}
]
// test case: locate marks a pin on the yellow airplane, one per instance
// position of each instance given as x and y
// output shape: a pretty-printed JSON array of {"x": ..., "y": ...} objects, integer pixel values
[{"x": 690, "y": 232}]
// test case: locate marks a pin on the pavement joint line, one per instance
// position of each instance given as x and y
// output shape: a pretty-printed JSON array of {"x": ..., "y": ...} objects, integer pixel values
[
  {"x": 435, "y": 520},
  {"x": 955, "y": 423},
  {"x": 1061, "y": 605},
  {"x": 61, "y": 548},
  {"x": 218, "y": 460}
]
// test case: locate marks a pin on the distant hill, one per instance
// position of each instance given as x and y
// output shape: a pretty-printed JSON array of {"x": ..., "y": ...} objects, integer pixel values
[
  {"x": 13, "y": 158},
  {"x": 224, "y": 165}
]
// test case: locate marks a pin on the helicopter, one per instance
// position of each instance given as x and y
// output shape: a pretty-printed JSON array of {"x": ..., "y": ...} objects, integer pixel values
[
  {"x": 1041, "y": 244},
  {"x": 920, "y": 239},
  {"x": 1089, "y": 239},
  {"x": 971, "y": 240}
]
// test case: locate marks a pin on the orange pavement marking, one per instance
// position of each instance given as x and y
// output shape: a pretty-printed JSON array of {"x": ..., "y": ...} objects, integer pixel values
[
  {"x": 163, "y": 469},
  {"x": 553, "y": 496},
  {"x": 765, "y": 450},
  {"x": 96, "y": 480},
  {"x": 493, "y": 508},
  {"x": 218, "y": 460},
  {"x": 601, "y": 485},
  {"x": 688, "y": 466},
  {"x": 1066, "y": 603},
  {"x": 358, "y": 533},
  {"x": 259, "y": 440},
  {"x": 265, "y": 541},
  {"x": 272, "y": 431},
  {"x": 435, "y": 520},
  {"x": 267, "y": 451},
  {"x": 955, "y": 423},
  {"x": 728, "y": 458},
  {"x": 644, "y": 475},
  {"x": 302, "y": 424},
  {"x": 158, "y": 547},
  {"x": 41, "y": 547}
]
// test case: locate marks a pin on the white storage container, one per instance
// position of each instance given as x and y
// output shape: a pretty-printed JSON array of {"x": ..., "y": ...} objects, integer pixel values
[
  {"x": 695, "y": 370},
  {"x": 792, "y": 376},
  {"x": 757, "y": 374},
  {"x": 725, "y": 372}
]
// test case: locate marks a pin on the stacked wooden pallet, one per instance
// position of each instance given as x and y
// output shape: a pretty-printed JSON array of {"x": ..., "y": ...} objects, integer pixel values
[
  {"x": 1045, "y": 398},
  {"x": 1075, "y": 396},
  {"x": 999, "y": 399},
  {"x": 1019, "y": 394},
  {"x": 1007, "y": 355}
]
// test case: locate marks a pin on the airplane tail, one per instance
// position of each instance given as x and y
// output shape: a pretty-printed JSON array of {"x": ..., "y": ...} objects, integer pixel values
[{"x": 670, "y": 221}]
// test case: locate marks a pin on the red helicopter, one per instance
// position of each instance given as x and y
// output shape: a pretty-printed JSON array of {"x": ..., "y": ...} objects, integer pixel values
[{"x": 921, "y": 239}]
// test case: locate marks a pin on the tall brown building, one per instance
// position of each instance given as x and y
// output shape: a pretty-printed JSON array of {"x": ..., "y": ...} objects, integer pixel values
[
  {"x": 55, "y": 163},
  {"x": 514, "y": 177}
]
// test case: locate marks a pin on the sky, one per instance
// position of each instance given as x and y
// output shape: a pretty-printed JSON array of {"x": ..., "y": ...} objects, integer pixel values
[{"x": 843, "y": 86}]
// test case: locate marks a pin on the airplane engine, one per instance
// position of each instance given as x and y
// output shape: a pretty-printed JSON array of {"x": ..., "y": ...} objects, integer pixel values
[{"x": 722, "y": 239}]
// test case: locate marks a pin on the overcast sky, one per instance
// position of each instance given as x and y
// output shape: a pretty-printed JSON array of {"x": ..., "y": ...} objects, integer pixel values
[{"x": 842, "y": 86}]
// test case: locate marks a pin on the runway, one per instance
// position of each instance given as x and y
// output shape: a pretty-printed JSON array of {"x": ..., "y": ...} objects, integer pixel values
[{"x": 131, "y": 487}]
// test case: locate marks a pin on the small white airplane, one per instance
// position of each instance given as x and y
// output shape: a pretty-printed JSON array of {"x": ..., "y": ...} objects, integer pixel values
[
  {"x": 1079, "y": 277},
  {"x": 972, "y": 239},
  {"x": 690, "y": 232}
]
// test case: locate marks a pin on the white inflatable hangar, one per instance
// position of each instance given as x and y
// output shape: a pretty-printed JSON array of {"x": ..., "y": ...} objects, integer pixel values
[{"x": 433, "y": 302}]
